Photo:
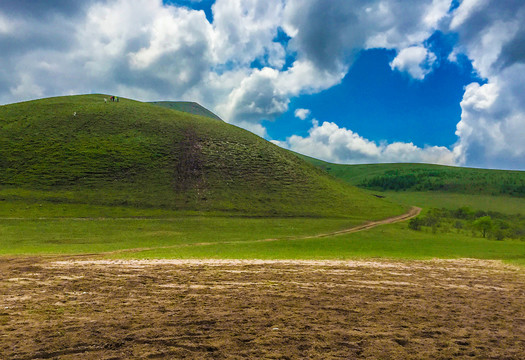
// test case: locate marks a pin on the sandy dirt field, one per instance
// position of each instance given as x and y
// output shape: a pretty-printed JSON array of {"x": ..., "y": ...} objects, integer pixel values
[{"x": 209, "y": 309}]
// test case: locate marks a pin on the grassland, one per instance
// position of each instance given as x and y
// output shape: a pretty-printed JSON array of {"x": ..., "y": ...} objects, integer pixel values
[
  {"x": 134, "y": 180},
  {"x": 91, "y": 204},
  {"x": 92, "y": 235},
  {"x": 241, "y": 238},
  {"x": 81, "y": 150},
  {"x": 387, "y": 242},
  {"x": 187, "y": 107},
  {"x": 435, "y": 186},
  {"x": 428, "y": 177},
  {"x": 435, "y": 199}
]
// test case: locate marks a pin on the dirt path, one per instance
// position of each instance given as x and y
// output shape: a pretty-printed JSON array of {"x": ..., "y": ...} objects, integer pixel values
[
  {"x": 233, "y": 309},
  {"x": 413, "y": 212}
]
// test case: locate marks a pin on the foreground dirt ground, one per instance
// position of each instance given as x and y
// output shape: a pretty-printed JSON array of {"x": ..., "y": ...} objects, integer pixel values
[{"x": 101, "y": 309}]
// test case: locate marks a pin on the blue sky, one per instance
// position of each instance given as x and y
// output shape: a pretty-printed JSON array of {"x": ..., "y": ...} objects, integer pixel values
[
  {"x": 376, "y": 102},
  {"x": 347, "y": 81},
  {"x": 383, "y": 105}
]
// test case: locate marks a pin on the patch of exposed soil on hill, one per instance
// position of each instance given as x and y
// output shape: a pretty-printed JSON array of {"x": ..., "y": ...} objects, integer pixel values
[{"x": 221, "y": 309}]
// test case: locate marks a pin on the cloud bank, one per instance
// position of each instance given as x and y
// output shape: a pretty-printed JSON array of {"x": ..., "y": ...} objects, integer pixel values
[
  {"x": 256, "y": 55},
  {"x": 331, "y": 143},
  {"x": 492, "y": 127}
]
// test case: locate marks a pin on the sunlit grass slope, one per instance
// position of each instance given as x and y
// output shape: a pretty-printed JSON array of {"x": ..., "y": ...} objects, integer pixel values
[
  {"x": 436, "y": 186},
  {"x": 428, "y": 177},
  {"x": 81, "y": 150},
  {"x": 188, "y": 107}
]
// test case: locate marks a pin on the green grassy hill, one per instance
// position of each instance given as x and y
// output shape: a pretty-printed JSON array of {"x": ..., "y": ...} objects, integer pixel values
[
  {"x": 426, "y": 177},
  {"x": 436, "y": 186},
  {"x": 188, "y": 107},
  {"x": 81, "y": 150}
]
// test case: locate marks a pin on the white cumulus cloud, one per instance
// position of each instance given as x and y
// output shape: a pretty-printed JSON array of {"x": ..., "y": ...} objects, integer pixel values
[
  {"x": 336, "y": 144},
  {"x": 415, "y": 60},
  {"x": 492, "y": 127},
  {"x": 256, "y": 97},
  {"x": 244, "y": 30},
  {"x": 302, "y": 113},
  {"x": 149, "y": 50}
]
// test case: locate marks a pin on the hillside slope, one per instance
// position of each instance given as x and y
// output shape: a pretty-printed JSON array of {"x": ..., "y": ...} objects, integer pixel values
[
  {"x": 78, "y": 149},
  {"x": 188, "y": 107},
  {"x": 427, "y": 177}
]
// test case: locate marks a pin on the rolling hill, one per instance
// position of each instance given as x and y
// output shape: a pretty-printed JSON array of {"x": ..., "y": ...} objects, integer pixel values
[
  {"x": 81, "y": 150},
  {"x": 427, "y": 177},
  {"x": 435, "y": 186}
]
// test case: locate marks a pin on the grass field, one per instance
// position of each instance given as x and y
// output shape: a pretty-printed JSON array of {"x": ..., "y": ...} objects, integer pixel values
[
  {"x": 120, "y": 176},
  {"x": 72, "y": 236},
  {"x": 389, "y": 242},
  {"x": 427, "y": 177},
  {"x": 128, "y": 232},
  {"x": 241, "y": 238},
  {"x": 91, "y": 204},
  {"x": 435, "y": 199},
  {"x": 116, "y": 178}
]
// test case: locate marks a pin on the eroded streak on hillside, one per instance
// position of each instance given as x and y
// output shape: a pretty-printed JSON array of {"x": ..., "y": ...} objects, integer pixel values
[{"x": 189, "y": 167}]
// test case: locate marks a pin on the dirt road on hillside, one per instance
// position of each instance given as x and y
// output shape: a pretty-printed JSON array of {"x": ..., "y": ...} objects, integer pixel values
[{"x": 232, "y": 309}]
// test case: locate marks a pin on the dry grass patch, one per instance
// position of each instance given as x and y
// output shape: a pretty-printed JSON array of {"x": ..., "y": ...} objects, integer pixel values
[{"x": 227, "y": 309}]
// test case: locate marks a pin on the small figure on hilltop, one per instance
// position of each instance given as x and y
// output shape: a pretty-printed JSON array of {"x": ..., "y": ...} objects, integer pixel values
[{"x": 112, "y": 98}]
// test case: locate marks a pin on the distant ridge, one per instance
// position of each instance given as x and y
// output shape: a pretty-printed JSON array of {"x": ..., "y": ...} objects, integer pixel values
[
  {"x": 187, "y": 107},
  {"x": 427, "y": 177}
]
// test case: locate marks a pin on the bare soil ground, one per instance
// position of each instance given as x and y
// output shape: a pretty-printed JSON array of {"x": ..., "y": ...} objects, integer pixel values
[{"x": 200, "y": 309}]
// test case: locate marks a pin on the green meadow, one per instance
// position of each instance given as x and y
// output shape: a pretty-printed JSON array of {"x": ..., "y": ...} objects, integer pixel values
[
  {"x": 433, "y": 199},
  {"x": 75, "y": 236},
  {"x": 135, "y": 180},
  {"x": 241, "y": 238},
  {"x": 427, "y": 177},
  {"x": 81, "y": 150},
  {"x": 435, "y": 186},
  {"x": 394, "y": 241}
]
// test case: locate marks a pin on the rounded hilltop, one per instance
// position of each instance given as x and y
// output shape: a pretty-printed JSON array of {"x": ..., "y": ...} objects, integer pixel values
[{"x": 81, "y": 149}]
